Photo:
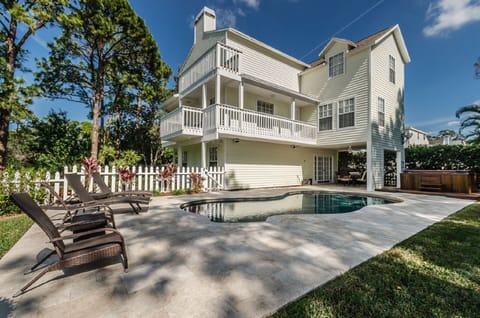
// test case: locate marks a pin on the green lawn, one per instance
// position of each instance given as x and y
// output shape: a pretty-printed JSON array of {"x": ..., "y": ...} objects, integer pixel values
[
  {"x": 11, "y": 230},
  {"x": 435, "y": 273}
]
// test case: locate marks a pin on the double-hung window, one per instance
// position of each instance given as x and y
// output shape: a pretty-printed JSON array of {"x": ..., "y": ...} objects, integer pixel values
[
  {"x": 212, "y": 156},
  {"x": 325, "y": 116},
  {"x": 391, "y": 63},
  {"x": 264, "y": 107},
  {"x": 381, "y": 112},
  {"x": 346, "y": 113},
  {"x": 185, "y": 159},
  {"x": 336, "y": 65}
]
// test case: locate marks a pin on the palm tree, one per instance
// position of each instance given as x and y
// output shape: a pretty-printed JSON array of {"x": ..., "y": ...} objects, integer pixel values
[{"x": 471, "y": 121}]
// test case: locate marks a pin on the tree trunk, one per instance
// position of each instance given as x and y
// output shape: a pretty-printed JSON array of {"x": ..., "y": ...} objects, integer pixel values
[
  {"x": 9, "y": 91},
  {"x": 4, "y": 122},
  {"x": 139, "y": 109}
]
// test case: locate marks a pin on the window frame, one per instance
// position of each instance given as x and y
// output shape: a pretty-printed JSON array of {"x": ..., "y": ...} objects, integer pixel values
[
  {"x": 264, "y": 105},
  {"x": 381, "y": 113},
  {"x": 320, "y": 114},
  {"x": 184, "y": 162},
  {"x": 213, "y": 152},
  {"x": 342, "y": 101},
  {"x": 332, "y": 66},
  {"x": 391, "y": 68}
]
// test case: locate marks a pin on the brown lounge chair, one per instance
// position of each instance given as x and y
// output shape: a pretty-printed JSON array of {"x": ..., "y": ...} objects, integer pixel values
[
  {"x": 107, "y": 193},
  {"x": 73, "y": 254},
  {"x": 85, "y": 197},
  {"x": 91, "y": 211}
]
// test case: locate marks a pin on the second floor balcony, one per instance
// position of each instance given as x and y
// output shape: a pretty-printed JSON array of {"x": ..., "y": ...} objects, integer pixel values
[
  {"x": 218, "y": 57},
  {"x": 225, "y": 121}
]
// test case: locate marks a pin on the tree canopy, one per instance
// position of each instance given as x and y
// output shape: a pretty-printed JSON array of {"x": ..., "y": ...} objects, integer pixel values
[
  {"x": 19, "y": 20},
  {"x": 107, "y": 59}
]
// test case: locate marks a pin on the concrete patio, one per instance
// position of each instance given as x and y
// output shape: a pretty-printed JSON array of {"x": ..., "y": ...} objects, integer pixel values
[{"x": 183, "y": 265}]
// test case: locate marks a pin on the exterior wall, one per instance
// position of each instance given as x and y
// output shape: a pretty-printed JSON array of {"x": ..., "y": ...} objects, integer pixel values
[
  {"x": 257, "y": 164},
  {"x": 416, "y": 138},
  {"x": 390, "y": 136},
  {"x": 353, "y": 83},
  {"x": 203, "y": 44},
  {"x": 258, "y": 62}
]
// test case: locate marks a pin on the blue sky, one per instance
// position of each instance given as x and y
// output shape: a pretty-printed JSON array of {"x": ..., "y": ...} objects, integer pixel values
[{"x": 441, "y": 36}]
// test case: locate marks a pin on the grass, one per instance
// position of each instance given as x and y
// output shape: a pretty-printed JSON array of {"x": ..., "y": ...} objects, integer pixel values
[
  {"x": 11, "y": 230},
  {"x": 435, "y": 273}
]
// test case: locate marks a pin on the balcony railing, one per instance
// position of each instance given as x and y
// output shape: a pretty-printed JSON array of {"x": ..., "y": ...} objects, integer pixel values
[
  {"x": 220, "y": 56},
  {"x": 184, "y": 120},
  {"x": 224, "y": 119}
]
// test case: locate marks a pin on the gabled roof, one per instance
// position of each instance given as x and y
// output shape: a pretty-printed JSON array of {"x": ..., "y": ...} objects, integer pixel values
[
  {"x": 333, "y": 41},
  {"x": 370, "y": 40}
]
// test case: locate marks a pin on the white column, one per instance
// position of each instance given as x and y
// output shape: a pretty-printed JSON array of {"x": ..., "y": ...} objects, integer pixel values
[
  {"x": 204, "y": 155},
  {"x": 240, "y": 95},
  {"x": 370, "y": 173},
  {"x": 292, "y": 109},
  {"x": 179, "y": 155},
  {"x": 204, "y": 96},
  {"x": 217, "y": 89},
  {"x": 399, "y": 167}
]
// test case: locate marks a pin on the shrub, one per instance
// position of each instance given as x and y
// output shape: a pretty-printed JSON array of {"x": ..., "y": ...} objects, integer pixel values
[
  {"x": 197, "y": 182},
  {"x": 19, "y": 181}
]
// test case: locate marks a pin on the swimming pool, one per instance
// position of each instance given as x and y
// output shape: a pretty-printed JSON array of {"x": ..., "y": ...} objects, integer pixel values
[{"x": 259, "y": 209}]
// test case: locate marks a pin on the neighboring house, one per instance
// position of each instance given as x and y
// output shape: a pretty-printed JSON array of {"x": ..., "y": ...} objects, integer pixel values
[
  {"x": 445, "y": 140},
  {"x": 416, "y": 137},
  {"x": 273, "y": 120}
]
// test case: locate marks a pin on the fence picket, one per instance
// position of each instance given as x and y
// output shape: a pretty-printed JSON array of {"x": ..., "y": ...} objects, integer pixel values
[{"x": 146, "y": 179}]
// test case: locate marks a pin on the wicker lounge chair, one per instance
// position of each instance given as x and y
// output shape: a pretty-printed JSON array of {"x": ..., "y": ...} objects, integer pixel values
[
  {"x": 86, "y": 251},
  {"x": 82, "y": 193},
  {"x": 91, "y": 211},
  {"x": 107, "y": 193}
]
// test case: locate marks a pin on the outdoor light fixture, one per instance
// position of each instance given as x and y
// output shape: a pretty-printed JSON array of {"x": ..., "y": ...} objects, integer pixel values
[
  {"x": 236, "y": 140},
  {"x": 349, "y": 149}
]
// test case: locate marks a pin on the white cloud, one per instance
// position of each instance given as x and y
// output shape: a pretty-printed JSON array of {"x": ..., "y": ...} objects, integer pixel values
[
  {"x": 254, "y": 4},
  {"x": 225, "y": 18},
  {"x": 448, "y": 15},
  {"x": 453, "y": 123},
  {"x": 434, "y": 122},
  {"x": 477, "y": 102}
]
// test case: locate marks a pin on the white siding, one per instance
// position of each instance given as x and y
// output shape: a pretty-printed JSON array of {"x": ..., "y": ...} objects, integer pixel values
[
  {"x": 388, "y": 137},
  {"x": 263, "y": 64},
  {"x": 256, "y": 164},
  {"x": 202, "y": 46},
  {"x": 353, "y": 83}
]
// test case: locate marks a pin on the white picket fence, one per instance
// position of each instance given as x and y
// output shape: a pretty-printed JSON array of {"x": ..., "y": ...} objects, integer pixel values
[{"x": 146, "y": 179}]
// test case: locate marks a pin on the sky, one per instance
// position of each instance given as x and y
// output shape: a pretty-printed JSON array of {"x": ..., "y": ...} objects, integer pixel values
[{"x": 441, "y": 37}]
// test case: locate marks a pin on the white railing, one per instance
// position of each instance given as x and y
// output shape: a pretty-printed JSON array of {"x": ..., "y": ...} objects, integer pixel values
[
  {"x": 146, "y": 179},
  {"x": 220, "y": 56},
  {"x": 243, "y": 122},
  {"x": 186, "y": 120}
]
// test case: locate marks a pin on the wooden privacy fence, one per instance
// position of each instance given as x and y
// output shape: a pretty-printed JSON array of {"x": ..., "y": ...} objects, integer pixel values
[{"x": 146, "y": 179}]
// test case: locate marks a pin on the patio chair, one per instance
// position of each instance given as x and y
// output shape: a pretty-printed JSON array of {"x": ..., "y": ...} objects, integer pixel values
[
  {"x": 91, "y": 211},
  {"x": 363, "y": 178},
  {"x": 86, "y": 251},
  {"x": 107, "y": 193},
  {"x": 85, "y": 197}
]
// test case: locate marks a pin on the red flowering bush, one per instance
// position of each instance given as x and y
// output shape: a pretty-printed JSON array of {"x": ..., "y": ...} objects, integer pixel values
[
  {"x": 197, "y": 182},
  {"x": 126, "y": 175}
]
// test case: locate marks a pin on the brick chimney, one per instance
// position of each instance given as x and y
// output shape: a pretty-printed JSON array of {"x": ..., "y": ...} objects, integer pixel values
[{"x": 204, "y": 22}]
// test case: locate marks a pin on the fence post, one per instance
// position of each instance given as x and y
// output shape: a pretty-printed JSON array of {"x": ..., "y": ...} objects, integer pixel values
[
  {"x": 65, "y": 183},
  {"x": 139, "y": 177},
  {"x": 114, "y": 179}
]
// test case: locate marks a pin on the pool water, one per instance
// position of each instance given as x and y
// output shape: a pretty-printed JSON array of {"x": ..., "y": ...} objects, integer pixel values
[{"x": 259, "y": 209}]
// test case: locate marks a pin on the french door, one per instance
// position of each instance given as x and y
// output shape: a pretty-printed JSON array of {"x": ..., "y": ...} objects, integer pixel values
[{"x": 323, "y": 166}]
